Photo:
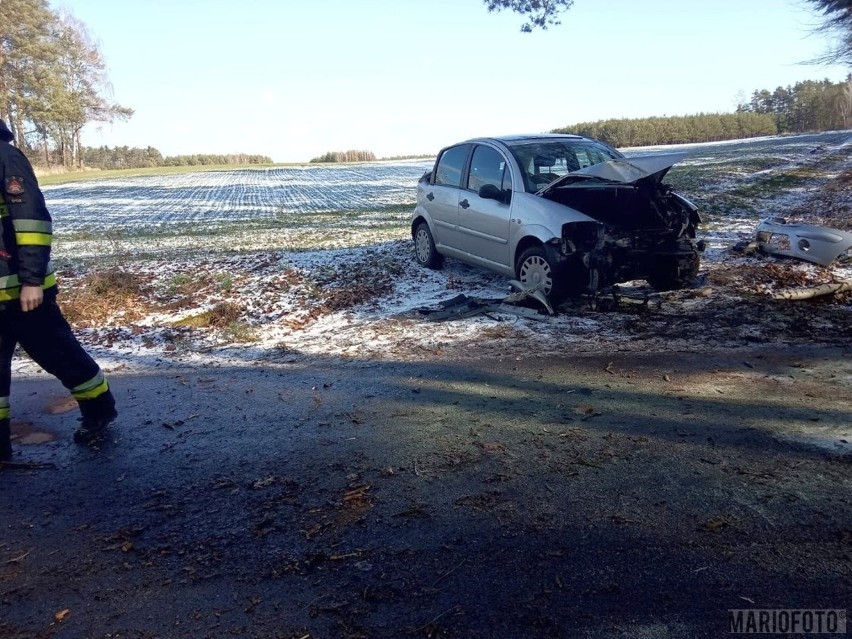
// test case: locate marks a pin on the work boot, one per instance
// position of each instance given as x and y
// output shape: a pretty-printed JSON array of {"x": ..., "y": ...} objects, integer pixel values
[
  {"x": 5, "y": 441},
  {"x": 94, "y": 427}
]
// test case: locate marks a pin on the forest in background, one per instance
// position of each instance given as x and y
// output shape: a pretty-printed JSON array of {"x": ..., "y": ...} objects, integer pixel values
[
  {"x": 345, "y": 156},
  {"x": 806, "y": 107},
  {"x": 123, "y": 157}
]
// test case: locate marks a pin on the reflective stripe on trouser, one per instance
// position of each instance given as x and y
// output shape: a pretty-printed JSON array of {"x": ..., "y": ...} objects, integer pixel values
[
  {"x": 91, "y": 389},
  {"x": 47, "y": 338},
  {"x": 4, "y": 408}
]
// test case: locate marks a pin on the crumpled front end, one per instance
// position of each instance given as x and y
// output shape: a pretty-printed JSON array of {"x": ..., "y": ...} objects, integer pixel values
[
  {"x": 598, "y": 257},
  {"x": 642, "y": 231}
]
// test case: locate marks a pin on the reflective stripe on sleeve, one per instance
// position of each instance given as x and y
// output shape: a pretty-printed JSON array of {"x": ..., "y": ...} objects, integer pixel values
[
  {"x": 10, "y": 286},
  {"x": 4, "y": 408},
  {"x": 33, "y": 226},
  {"x": 33, "y": 239}
]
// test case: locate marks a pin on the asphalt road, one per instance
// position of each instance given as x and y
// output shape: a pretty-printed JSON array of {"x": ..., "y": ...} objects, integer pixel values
[{"x": 624, "y": 495}]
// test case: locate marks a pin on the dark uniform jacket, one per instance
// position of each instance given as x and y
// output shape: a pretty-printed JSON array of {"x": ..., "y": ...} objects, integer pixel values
[{"x": 26, "y": 229}]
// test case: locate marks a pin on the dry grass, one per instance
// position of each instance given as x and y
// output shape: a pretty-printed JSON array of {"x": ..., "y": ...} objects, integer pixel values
[
  {"x": 829, "y": 206},
  {"x": 222, "y": 315},
  {"x": 94, "y": 299},
  {"x": 113, "y": 296}
]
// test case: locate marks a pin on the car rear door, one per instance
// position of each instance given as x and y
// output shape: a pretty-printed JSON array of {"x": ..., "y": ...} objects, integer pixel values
[
  {"x": 484, "y": 222},
  {"x": 444, "y": 192}
]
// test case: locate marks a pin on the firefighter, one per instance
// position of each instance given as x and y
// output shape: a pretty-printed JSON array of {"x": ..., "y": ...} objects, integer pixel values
[{"x": 29, "y": 314}]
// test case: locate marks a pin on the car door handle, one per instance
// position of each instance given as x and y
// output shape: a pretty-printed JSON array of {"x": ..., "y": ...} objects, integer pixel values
[
  {"x": 464, "y": 204},
  {"x": 430, "y": 197}
]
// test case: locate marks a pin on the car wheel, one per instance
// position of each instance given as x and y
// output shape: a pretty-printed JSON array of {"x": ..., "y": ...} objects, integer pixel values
[
  {"x": 680, "y": 274},
  {"x": 533, "y": 268},
  {"x": 424, "y": 247}
]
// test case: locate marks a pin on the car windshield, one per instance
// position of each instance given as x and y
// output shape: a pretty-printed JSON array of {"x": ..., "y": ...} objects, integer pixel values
[{"x": 543, "y": 161}]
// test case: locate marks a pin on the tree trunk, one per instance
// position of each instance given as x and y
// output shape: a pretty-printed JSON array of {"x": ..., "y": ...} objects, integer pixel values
[
  {"x": 78, "y": 149},
  {"x": 814, "y": 291}
]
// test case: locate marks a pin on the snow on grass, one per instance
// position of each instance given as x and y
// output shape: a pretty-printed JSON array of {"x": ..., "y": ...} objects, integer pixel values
[
  {"x": 251, "y": 194},
  {"x": 319, "y": 262}
]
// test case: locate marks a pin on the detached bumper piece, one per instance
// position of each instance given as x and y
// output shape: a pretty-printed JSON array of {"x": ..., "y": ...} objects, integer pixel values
[{"x": 816, "y": 244}]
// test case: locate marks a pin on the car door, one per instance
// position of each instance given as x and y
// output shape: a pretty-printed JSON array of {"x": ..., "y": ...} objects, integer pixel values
[
  {"x": 483, "y": 222},
  {"x": 444, "y": 192}
]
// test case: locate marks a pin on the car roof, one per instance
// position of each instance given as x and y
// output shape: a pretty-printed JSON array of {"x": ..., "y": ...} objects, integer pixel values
[{"x": 510, "y": 139}]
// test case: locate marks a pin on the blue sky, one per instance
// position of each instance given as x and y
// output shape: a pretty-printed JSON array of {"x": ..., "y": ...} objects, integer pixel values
[{"x": 293, "y": 79}]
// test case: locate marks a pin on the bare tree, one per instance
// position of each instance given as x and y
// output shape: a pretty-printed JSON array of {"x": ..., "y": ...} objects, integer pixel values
[
  {"x": 844, "y": 103},
  {"x": 81, "y": 95},
  {"x": 837, "y": 24}
]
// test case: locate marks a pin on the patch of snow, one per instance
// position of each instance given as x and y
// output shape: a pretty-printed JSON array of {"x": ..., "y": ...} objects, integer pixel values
[{"x": 284, "y": 272}]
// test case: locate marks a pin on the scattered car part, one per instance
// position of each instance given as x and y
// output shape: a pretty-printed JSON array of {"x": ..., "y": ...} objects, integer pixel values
[
  {"x": 458, "y": 307},
  {"x": 524, "y": 292},
  {"x": 817, "y": 244},
  {"x": 462, "y": 306}
]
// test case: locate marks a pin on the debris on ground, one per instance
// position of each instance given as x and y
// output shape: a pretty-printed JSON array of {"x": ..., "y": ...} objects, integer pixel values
[{"x": 818, "y": 244}]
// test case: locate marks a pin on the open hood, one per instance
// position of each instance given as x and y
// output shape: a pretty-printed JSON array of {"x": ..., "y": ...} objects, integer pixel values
[{"x": 624, "y": 170}]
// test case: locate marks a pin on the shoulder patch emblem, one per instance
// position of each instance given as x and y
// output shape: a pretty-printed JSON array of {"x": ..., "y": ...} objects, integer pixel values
[{"x": 15, "y": 185}]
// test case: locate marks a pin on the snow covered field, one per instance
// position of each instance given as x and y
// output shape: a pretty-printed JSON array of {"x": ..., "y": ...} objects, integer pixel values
[{"x": 318, "y": 259}]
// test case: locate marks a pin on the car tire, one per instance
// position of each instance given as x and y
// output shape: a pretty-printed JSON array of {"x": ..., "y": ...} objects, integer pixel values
[
  {"x": 675, "y": 276},
  {"x": 533, "y": 268},
  {"x": 424, "y": 248}
]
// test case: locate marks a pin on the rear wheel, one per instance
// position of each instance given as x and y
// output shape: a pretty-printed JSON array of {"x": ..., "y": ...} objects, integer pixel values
[
  {"x": 424, "y": 247},
  {"x": 534, "y": 269}
]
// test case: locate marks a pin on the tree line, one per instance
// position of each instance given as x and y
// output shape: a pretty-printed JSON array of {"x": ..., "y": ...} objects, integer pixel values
[
  {"x": 676, "y": 129},
  {"x": 123, "y": 157},
  {"x": 345, "y": 156},
  {"x": 804, "y": 107}
]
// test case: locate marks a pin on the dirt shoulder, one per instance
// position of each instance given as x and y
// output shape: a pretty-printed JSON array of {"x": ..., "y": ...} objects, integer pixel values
[{"x": 608, "y": 495}]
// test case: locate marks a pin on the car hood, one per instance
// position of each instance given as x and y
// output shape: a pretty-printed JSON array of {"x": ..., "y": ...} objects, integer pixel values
[{"x": 623, "y": 170}]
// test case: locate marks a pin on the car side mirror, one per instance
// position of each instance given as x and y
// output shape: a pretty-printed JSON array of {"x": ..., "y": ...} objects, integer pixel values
[{"x": 491, "y": 192}]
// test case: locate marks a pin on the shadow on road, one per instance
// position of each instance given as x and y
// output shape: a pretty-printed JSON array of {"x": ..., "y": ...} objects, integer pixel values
[{"x": 626, "y": 495}]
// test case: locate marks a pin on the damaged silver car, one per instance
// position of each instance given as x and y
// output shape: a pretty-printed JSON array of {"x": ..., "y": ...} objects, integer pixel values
[{"x": 563, "y": 214}]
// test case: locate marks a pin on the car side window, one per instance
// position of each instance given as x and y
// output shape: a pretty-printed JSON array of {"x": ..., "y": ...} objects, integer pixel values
[
  {"x": 583, "y": 159},
  {"x": 588, "y": 154},
  {"x": 487, "y": 166},
  {"x": 450, "y": 165}
]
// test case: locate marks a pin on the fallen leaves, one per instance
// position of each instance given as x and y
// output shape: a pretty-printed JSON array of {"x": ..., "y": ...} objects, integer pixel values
[
  {"x": 59, "y": 405},
  {"x": 358, "y": 495}
]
